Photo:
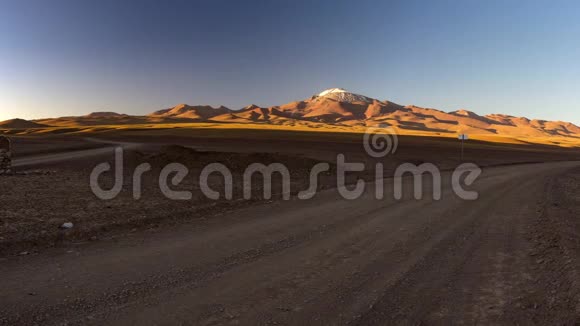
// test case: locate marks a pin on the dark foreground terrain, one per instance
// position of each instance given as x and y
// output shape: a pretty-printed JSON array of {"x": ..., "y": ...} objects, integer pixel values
[{"x": 510, "y": 257}]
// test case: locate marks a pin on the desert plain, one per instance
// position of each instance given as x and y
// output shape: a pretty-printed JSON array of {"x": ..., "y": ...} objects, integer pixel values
[{"x": 510, "y": 256}]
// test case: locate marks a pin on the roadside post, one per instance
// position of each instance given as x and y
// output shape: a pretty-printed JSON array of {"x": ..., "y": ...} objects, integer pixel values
[{"x": 463, "y": 138}]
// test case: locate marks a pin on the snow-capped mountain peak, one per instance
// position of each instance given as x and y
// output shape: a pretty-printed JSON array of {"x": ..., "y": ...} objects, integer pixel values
[
  {"x": 332, "y": 90},
  {"x": 342, "y": 95}
]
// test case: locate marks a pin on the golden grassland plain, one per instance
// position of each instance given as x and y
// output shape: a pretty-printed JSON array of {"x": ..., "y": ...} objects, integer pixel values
[{"x": 297, "y": 128}]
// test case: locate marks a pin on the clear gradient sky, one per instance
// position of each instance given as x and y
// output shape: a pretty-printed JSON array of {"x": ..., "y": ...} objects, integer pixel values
[{"x": 72, "y": 57}]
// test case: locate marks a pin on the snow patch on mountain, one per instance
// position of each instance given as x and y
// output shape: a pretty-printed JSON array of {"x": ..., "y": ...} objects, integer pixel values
[{"x": 342, "y": 95}]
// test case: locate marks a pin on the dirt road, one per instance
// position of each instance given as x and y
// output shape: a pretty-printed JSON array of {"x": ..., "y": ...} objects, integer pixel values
[
  {"x": 321, "y": 261},
  {"x": 107, "y": 148}
]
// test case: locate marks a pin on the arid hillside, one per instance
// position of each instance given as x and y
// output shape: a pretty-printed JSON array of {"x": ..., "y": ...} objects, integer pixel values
[{"x": 20, "y": 124}]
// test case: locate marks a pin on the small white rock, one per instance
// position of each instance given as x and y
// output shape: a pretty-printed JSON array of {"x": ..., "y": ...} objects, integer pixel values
[{"x": 67, "y": 225}]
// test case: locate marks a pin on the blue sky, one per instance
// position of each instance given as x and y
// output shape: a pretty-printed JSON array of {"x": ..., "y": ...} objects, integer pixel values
[{"x": 77, "y": 56}]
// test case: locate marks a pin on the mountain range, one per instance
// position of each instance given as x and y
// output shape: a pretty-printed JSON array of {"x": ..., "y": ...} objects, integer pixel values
[{"x": 332, "y": 107}]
